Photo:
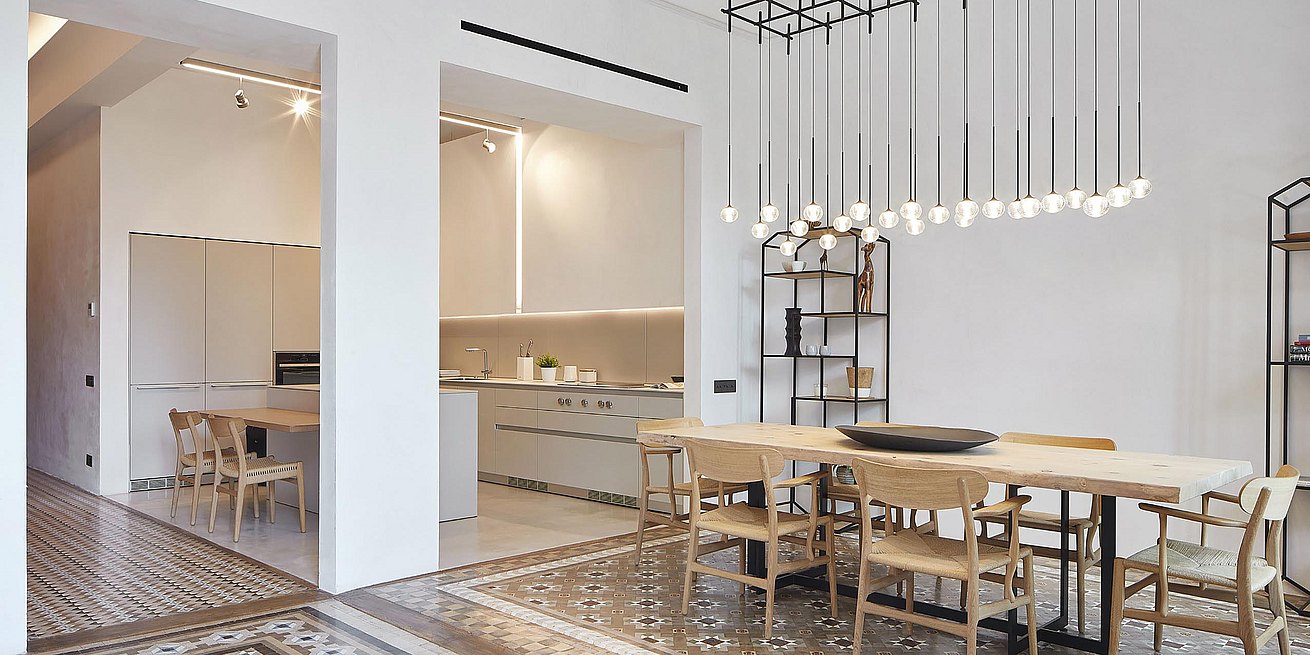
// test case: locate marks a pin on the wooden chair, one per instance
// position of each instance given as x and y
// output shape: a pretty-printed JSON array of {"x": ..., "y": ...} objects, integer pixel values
[
  {"x": 1085, "y": 553},
  {"x": 724, "y": 465},
  {"x": 1175, "y": 566},
  {"x": 843, "y": 492},
  {"x": 676, "y": 491},
  {"x": 230, "y": 433},
  {"x": 905, "y": 552},
  {"x": 193, "y": 464}
]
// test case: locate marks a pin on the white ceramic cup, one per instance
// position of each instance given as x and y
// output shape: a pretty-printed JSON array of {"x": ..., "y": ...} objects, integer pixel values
[
  {"x": 811, "y": 350},
  {"x": 570, "y": 374},
  {"x": 825, "y": 350}
]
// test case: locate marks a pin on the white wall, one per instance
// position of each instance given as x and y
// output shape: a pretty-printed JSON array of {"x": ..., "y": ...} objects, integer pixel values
[
  {"x": 477, "y": 239},
  {"x": 179, "y": 158},
  {"x": 63, "y": 424}
]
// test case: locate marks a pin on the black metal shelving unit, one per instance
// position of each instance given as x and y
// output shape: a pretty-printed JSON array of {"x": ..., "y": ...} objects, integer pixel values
[
  {"x": 1281, "y": 203},
  {"x": 829, "y": 318}
]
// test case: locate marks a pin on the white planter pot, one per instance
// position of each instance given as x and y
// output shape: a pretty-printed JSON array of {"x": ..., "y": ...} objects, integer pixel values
[{"x": 548, "y": 374}]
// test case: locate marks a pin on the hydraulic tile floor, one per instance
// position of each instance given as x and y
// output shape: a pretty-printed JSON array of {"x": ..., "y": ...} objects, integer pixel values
[
  {"x": 600, "y": 598},
  {"x": 280, "y": 545},
  {"x": 94, "y": 566}
]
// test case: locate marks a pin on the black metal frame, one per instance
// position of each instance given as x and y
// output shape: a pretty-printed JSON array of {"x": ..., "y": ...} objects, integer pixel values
[
  {"x": 805, "y": 15},
  {"x": 1279, "y": 203}
]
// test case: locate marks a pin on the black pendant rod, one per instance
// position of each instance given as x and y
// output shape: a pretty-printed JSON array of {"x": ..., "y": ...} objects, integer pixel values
[
  {"x": 1118, "y": 100},
  {"x": 939, "y": 103},
  {"x": 827, "y": 124},
  {"x": 914, "y": 102},
  {"x": 965, "y": 177},
  {"x": 1075, "y": 94},
  {"x": 887, "y": 96},
  {"x": 1028, "y": 81},
  {"x": 993, "y": 40},
  {"x": 759, "y": 106},
  {"x": 1053, "y": 15},
  {"x": 1139, "y": 88},
  {"x": 1018, "y": 98},
  {"x": 1096, "y": 96}
]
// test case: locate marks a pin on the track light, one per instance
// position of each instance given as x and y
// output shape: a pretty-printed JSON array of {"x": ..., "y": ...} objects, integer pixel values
[
  {"x": 242, "y": 101},
  {"x": 488, "y": 144},
  {"x": 300, "y": 106}
]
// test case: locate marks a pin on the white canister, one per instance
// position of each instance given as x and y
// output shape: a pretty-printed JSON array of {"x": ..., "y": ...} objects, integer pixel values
[
  {"x": 525, "y": 371},
  {"x": 570, "y": 374},
  {"x": 587, "y": 375}
]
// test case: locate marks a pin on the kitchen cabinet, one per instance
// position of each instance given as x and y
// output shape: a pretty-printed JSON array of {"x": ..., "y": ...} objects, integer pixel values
[
  {"x": 295, "y": 298},
  {"x": 167, "y": 305},
  {"x": 238, "y": 311},
  {"x": 235, "y": 395},
  {"x": 586, "y": 463},
  {"x": 516, "y": 453},
  {"x": 152, "y": 447},
  {"x": 486, "y": 429}
]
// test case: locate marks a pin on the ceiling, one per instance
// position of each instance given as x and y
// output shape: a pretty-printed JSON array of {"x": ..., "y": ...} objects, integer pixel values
[{"x": 711, "y": 8}]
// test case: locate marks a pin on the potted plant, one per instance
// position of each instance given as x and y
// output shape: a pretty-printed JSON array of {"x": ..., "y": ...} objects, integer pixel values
[{"x": 549, "y": 365}]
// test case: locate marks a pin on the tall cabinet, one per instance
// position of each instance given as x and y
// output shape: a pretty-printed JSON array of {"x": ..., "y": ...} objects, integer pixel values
[{"x": 206, "y": 316}]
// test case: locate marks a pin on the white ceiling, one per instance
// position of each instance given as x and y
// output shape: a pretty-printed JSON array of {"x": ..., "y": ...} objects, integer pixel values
[{"x": 710, "y": 8}]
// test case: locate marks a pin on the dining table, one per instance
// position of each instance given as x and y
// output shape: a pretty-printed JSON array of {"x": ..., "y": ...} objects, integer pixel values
[
  {"x": 259, "y": 420},
  {"x": 1113, "y": 474}
]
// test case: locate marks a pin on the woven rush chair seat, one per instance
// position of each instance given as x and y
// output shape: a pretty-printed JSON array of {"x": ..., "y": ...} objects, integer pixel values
[
  {"x": 742, "y": 520},
  {"x": 1198, "y": 563},
  {"x": 932, "y": 555}
]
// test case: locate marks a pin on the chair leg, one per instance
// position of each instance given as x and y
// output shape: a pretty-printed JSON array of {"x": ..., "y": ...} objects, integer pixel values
[
  {"x": 770, "y": 590},
  {"x": 832, "y": 569},
  {"x": 1276, "y": 604},
  {"x": 909, "y": 602},
  {"x": 1161, "y": 608},
  {"x": 213, "y": 502},
  {"x": 693, "y": 538},
  {"x": 195, "y": 494},
  {"x": 643, "y": 502},
  {"x": 862, "y": 594},
  {"x": 1080, "y": 540},
  {"x": 300, "y": 494},
  {"x": 741, "y": 564},
  {"x": 241, "y": 511},
  {"x": 272, "y": 504},
  {"x": 1246, "y": 620},
  {"x": 255, "y": 488},
  {"x": 177, "y": 488},
  {"x": 971, "y": 610},
  {"x": 1029, "y": 594},
  {"x": 1116, "y": 607}
]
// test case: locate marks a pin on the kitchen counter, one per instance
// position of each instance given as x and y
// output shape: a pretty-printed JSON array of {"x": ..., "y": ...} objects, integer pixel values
[
  {"x": 296, "y": 387},
  {"x": 538, "y": 385}
]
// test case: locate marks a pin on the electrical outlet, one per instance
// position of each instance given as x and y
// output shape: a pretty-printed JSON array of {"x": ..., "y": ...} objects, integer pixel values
[
  {"x": 725, "y": 386},
  {"x": 90, "y": 380},
  {"x": 89, "y": 461}
]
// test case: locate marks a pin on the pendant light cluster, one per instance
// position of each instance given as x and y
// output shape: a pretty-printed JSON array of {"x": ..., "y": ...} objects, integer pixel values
[{"x": 807, "y": 36}]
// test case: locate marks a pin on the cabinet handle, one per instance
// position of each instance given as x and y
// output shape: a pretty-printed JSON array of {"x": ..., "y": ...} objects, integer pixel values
[
  {"x": 166, "y": 386},
  {"x": 227, "y": 385}
]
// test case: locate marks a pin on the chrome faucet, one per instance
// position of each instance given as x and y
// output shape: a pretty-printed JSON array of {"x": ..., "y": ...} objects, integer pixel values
[{"x": 486, "y": 369}]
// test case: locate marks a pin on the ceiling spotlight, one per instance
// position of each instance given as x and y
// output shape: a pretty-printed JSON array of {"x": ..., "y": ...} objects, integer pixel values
[
  {"x": 242, "y": 100},
  {"x": 488, "y": 144},
  {"x": 300, "y": 106}
]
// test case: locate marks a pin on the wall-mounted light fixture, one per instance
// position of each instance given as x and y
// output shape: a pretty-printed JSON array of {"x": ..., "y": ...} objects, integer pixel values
[{"x": 245, "y": 74}]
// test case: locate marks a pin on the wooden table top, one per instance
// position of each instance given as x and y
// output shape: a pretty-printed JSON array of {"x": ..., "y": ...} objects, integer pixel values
[
  {"x": 1145, "y": 476},
  {"x": 270, "y": 418}
]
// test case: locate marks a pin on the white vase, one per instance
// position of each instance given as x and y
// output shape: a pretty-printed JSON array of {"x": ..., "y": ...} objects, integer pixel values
[{"x": 548, "y": 374}]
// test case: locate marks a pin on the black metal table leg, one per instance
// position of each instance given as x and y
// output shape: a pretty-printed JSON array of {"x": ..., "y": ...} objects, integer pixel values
[
  {"x": 755, "y": 564},
  {"x": 257, "y": 441}
]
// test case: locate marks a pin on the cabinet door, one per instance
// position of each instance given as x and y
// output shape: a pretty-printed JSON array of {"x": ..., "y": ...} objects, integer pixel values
[
  {"x": 167, "y": 310},
  {"x": 591, "y": 464},
  {"x": 238, "y": 311},
  {"x": 487, "y": 430},
  {"x": 152, "y": 447},
  {"x": 516, "y": 454},
  {"x": 236, "y": 395},
  {"x": 295, "y": 298}
]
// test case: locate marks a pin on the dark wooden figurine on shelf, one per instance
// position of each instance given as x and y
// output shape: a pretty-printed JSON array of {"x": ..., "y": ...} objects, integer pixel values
[
  {"x": 793, "y": 332},
  {"x": 865, "y": 283}
]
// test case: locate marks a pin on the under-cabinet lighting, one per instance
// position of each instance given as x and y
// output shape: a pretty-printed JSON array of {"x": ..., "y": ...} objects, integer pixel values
[
  {"x": 252, "y": 75},
  {"x": 571, "y": 311},
  {"x": 481, "y": 124}
]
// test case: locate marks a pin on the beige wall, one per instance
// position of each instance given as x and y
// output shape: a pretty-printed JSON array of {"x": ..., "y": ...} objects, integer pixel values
[
  {"x": 477, "y": 230},
  {"x": 637, "y": 346},
  {"x": 63, "y": 231}
]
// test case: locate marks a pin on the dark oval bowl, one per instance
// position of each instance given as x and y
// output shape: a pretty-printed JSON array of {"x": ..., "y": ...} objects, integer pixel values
[{"x": 920, "y": 438}]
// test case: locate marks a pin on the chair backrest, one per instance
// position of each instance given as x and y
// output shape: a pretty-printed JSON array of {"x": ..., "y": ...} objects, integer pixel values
[
  {"x": 188, "y": 422},
  {"x": 1282, "y": 487},
  {"x": 229, "y": 434},
  {"x": 917, "y": 488},
  {"x": 669, "y": 424},
  {"x": 1090, "y": 443},
  {"x": 734, "y": 464}
]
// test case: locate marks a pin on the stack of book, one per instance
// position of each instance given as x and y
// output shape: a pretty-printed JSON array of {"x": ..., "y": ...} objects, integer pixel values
[{"x": 1299, "y": 350}]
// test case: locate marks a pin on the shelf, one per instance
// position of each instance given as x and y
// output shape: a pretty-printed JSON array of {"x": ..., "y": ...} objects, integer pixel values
[
  {"x": 840, "y": 399},
  {"x": 1303, "y": 483},
  {"x": 1291, "y": 245},
  {"x": 843, "y": 314},
  {"x": 810, "y": 275},
  {"x": 811, "y": 356},
  {"x": 1289, "y": 363}
]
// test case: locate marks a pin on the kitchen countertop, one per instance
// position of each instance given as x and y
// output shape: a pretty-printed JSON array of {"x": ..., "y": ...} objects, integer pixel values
[
  {"x": 511, "y": 383},
  {"x": 296, "y": 387}
]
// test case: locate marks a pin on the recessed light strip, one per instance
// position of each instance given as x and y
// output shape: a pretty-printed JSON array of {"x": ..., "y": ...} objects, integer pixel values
[
  {"x": 252, "y": 75},
  {"x": 481, "y": 124},
  {"x": 572, "y": 311}
]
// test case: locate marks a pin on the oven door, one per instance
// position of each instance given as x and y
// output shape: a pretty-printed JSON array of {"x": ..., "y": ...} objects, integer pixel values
[{"x": 297, "y": 375}]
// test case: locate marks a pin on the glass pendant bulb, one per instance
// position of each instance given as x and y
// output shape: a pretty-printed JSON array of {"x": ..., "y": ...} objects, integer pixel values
[
  {"x": 728, "y": 214},
  {"x": 1053, "y": 203},
  {"x": 938, "y": 214},
  {"x": 1031, "y": 206},
  {"x": 1141, "y": 187},
  {"x": 1075, "y": 198},
  {"x": 993, "y": 208},
  {"x": 966, "y": 208},
  {"x": 828, "y": 241},
  {"x": 812, "y": 212},
  {"x": 888, "y": 219},
  {"x": 842, "y": 223},
  {"x": 1015, "y": 208},
  {"x": 769, "y": 213},
  {"x": 787, "y": 247},
  {"x": 964, "y": 220},
  {"x": 911, "y": 210},
  {"x": 800, "y": 227},
  {"x": 1119, "y": 196},
  {"x": 914, "y": 227},
  {"x": 869, "y": 234},
  {"x": 760, "y": 230},
  {"x": 860, "y": 211},
  {"x": 1096, "y": 206}
]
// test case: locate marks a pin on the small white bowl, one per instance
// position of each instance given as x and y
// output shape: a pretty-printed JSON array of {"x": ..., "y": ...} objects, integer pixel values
[{"x": 793, "y": 266}]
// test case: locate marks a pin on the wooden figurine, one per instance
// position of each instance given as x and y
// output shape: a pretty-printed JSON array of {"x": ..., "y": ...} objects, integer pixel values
[{"x": 865, "y": 283}]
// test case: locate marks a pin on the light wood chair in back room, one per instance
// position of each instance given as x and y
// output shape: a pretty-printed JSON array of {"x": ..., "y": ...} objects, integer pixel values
[
  {"x": 712, "y": 465},
  {"x": 1085, "y": 552},
  {"x": 906, "y": 552},
  {"x": 676, "y": 491},
  {"x": 194, "y": 464},
  {"x": 1181, "y": 567},
  {"x": 242, "y": 473},
  {"x": 840, "y": 491}
]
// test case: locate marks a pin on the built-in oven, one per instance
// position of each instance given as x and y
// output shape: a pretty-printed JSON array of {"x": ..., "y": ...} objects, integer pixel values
[{"x": 295, "y": 367}]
